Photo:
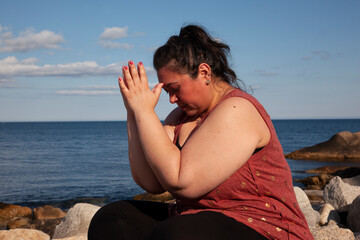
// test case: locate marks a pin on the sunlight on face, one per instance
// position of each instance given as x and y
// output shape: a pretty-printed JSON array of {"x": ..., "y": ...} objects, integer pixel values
[{"x": 186, "y": 92}]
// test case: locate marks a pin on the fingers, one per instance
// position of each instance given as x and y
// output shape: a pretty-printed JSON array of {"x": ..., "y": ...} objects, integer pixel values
[
  {"x": 122, "y": 85},
  {"x": 142, "y": 73},
  {"x": 134, "y": 75}
]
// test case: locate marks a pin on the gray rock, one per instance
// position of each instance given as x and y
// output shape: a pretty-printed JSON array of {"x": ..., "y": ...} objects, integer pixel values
[
  {"x": 332, "y": 232},
  {"x": 355, "y": 181},
  {"x": 77, "y": 237},
  {"x": 26, "y": 234},
  {"x": 327, "y": 213},
  {"x": 339, "y": 194},
  {"x": 76, "y": 221},
  {"x": 353, "y": 218},
  {"x": 312, "y": 216}
]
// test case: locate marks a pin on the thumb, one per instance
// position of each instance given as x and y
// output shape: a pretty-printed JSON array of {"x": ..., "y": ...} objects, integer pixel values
[{"x": 157, "y": 89}]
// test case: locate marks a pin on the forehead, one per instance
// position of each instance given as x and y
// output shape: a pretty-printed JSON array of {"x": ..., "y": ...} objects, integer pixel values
[{"x": 166, "y": 75}]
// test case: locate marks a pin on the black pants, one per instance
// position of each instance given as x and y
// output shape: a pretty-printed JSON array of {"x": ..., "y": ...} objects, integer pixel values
[{"x": 150, "y": 220}]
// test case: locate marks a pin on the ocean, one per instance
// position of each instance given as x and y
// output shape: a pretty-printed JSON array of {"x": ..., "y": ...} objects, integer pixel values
[{"x": 61, "y": 163}]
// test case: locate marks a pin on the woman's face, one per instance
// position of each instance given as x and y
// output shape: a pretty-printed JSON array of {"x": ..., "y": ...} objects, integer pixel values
[{"x": 191, "y": 95}]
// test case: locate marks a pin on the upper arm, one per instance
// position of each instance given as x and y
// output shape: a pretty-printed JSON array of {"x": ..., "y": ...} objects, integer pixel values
[{"x": 223, "y": 143}]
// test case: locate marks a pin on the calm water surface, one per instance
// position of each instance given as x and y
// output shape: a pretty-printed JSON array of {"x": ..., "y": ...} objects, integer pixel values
[{"x": 59, "y": 162}]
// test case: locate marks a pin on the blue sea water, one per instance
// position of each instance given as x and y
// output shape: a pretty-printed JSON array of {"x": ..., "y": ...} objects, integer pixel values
[{"x": 66, "y": 162}]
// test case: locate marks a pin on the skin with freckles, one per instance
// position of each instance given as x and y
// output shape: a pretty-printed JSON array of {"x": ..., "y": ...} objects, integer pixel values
[{"x": 208, "y": 158}]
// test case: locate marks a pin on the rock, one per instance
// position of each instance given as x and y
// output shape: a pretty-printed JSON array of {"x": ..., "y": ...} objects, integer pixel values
[
  {"x": 315, "y": 195},
  {"x": 165, "y": 197},
  {"x": 339, "y": 194},
  {"x": 48, "y": 212},
  {"x": 326, "y": 169},
  {"x": 353, "y": 218},
  {"x": 348, "y": 172},
  {"x": 315, "y": 182},
  {"x": 9, "y": 211},
  {"x": 355, "y": 181},
  {"x": 332, "y": 232},
  {"x": 327, "y": 213},
  {"x": 18, "y": 222},
  {"x": 341, "y": 146},
  {"x": 23, "y": 234},
  {"x": 312, "y": 216},
  {"x": 77, "y": 237},
  {"x": 46, "y": 225},
  {"x": 76, "y": 221},
  {"x": 357, "y": 235}
]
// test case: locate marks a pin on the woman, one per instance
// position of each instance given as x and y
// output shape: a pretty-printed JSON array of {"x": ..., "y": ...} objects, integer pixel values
[{"x": 217, "y": 153}]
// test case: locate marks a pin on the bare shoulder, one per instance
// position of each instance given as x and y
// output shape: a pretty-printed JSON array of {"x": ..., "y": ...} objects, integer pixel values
[
  {"x": 236, "y": 106},
  {"x": 241, "y": 114}
]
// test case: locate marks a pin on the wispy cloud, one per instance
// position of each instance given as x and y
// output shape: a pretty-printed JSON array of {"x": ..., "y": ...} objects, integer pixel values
[
  {"x": 114, "y": 33},
  {"x": 112, "y": 44},
  {"x": 91, "y": 90},
  {"x": 264, "y": 73},
  {"x": 323, "y": 55},
  {"x": 29, "y": 40},
  {"x": 12, "y": 67},
  {"x": 108, "y": 37},
  {"x": 86, "y": 92}
]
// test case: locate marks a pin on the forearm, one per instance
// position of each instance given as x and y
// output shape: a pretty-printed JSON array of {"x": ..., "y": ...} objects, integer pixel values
[
  {"x": 161, "y": 154},
  {"x": 140, "y": 169}
]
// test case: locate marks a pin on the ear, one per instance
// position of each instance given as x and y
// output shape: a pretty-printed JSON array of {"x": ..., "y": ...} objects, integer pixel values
[{"x": 204, "y": 71}]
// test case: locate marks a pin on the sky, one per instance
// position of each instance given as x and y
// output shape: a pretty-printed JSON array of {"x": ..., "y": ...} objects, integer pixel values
[{"x": 60, "y": 60}]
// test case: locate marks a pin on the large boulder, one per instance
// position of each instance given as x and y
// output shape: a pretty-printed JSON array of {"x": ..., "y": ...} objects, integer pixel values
[
  {"x": 355, "y": 181},
  {"x": 340, "y": 147},
  {"x": 332, "y": 232},
  {"x": 48, "y": 212},
  {"x": 26, "y": 234},
  {"x": 76, "y": 221},
  {"x": 312, "y": 216},
  {"x": 353, "y": 218},
  {"x": 9, "y": 211},
  {"x": 339, "y": 194}
]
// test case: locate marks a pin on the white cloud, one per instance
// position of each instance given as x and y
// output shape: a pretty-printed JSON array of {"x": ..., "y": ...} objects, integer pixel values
[
  {"x": 102, "y": 87},
  {"x": 112, "y": 44},
  {"x": 11, "y": 67},
  {"x": 87, "y": 92},
  {"x": 29, "y": 40},
  {"x": 114, "y": 33}
]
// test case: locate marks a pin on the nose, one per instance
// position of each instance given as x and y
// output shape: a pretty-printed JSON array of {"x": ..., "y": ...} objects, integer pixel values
[{"x": 173, "y": 98}]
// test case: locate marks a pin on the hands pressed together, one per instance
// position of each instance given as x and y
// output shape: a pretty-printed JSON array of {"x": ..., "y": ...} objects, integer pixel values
[{"x": 134, "y": 88}]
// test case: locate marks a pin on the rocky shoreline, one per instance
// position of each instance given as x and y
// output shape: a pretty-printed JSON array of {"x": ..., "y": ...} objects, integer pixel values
[{"x": 332, "y": 212}]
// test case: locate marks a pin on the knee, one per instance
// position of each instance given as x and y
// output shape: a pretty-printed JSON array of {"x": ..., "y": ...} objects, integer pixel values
[{"x": 103, "y": 221}]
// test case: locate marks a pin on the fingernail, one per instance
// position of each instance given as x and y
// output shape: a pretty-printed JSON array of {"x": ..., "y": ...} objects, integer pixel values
[
  {"x": 140, "y": 63},
  {"x": 131, "y": 62},
  {"x": 120, "y": 79},
  {"x": 125, "y": 68}
]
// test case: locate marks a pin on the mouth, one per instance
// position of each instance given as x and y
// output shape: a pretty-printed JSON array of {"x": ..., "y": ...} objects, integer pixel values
[{"x": 182, "y": 106}]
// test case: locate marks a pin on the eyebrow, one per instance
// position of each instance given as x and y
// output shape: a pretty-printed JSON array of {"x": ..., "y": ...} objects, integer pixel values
[{"x": 169, "y": 84}]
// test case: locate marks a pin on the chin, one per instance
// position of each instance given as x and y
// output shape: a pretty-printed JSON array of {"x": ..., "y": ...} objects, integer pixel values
[{"x": 191, "y": 112}]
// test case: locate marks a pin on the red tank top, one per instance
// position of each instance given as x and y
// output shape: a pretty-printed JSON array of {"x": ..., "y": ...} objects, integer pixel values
[{"x": 260, "y": 194}]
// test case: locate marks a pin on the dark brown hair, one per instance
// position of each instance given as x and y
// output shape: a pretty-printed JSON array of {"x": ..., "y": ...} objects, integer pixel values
[{"x": 193, "y": 46}]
